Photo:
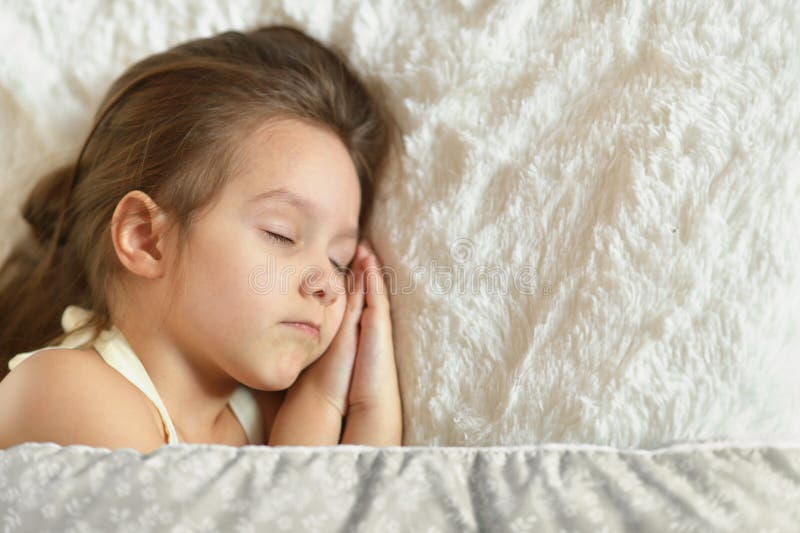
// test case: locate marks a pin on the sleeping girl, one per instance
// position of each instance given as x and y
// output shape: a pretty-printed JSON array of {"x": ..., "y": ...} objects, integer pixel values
[{"x": 199, "y": 273}]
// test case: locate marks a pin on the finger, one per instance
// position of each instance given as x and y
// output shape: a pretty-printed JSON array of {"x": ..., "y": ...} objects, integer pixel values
[
  {"x": 362, "y": 251},
  {"x": 375, "y": 289},
  {"x": 369, "y": 250},
  {"x": 355, "y": 297},
  {"x": 344, "y": 343}
]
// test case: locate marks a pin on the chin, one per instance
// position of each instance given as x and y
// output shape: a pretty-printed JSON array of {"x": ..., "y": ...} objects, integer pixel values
[
  {"x": 288, "y": 368},
  {"x": 279, "y": 375}
]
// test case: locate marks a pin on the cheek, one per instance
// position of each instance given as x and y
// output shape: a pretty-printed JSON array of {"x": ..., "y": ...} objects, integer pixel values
[
  {"x": 209, "y": 302},
  {"x": 222, "y": 291},
  {"x": 334, "y": 319},
  {"x": 338, "y": 309}
]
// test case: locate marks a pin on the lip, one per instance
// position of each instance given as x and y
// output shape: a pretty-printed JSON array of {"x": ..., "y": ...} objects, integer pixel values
[{"x": 305, "y": 327}]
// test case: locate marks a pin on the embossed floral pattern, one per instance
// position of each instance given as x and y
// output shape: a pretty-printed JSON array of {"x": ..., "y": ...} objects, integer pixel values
[{"x": 188, "y": 488}]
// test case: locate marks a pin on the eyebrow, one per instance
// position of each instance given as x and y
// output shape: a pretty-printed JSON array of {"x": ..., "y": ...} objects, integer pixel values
[{"x": 292, "y": 198}]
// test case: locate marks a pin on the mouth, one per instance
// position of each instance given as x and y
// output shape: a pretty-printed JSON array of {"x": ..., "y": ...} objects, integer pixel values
[{"x": 305, "y": 327}]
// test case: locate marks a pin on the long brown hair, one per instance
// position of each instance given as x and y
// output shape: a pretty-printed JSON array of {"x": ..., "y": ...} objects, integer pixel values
[{"x": 170, "y": 126}]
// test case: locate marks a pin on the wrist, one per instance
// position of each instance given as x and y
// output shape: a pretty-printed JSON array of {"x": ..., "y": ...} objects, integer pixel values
[
  {"x": 371, "y": 426},
  {"x": 312, "y": 393}
]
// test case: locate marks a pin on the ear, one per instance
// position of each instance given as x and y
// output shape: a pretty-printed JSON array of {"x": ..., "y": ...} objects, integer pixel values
[{"x": 139, "y": 232}]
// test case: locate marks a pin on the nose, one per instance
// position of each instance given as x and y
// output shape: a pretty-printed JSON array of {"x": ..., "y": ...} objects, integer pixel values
[{"x": 318, "y": 283}]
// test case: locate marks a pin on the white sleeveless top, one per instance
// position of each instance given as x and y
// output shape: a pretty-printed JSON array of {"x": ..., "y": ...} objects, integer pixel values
[{"x": 117, "y": 352}]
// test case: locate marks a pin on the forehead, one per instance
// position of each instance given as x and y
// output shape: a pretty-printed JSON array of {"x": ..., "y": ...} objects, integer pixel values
[{"x": 302, "y": 165}]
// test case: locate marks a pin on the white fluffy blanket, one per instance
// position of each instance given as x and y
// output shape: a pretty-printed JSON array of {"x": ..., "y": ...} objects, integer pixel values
[{"x": 627, "y": 173}]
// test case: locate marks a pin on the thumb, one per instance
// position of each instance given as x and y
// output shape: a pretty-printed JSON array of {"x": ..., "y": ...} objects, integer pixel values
[
  {"x": 345, "y": 340},
  {"x": 355, "y": 296}
]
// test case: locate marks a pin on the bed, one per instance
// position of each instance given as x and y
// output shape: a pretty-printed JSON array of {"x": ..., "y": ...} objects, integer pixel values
[{"x": 593, "y": 229}]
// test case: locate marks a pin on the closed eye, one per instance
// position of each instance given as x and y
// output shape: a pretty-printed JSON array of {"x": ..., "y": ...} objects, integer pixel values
[
  {"x": 279, "y": 238},
  {"x": 286, "y": 240}
]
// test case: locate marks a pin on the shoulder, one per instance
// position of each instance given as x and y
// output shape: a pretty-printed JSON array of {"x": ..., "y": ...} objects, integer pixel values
[{"x": 73, "y": 397}]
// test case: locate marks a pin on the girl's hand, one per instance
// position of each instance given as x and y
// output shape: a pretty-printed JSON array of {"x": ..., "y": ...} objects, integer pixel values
[
  {"x": 374, "y": 387},
  {"x": 329, "y": 376}
]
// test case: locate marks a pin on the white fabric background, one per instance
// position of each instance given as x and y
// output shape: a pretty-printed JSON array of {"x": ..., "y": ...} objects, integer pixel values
[{"x": 633, "y": 166}]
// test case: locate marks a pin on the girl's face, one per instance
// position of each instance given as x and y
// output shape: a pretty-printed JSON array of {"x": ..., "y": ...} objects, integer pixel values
[{"x": 266, "y": 254}]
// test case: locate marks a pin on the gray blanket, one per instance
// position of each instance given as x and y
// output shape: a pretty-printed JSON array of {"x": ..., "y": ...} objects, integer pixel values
[{"x": 191, "y": 488}]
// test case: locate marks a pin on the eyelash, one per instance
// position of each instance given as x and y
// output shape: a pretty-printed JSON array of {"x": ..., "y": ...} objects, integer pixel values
[{"x": 286, "y": 240}]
